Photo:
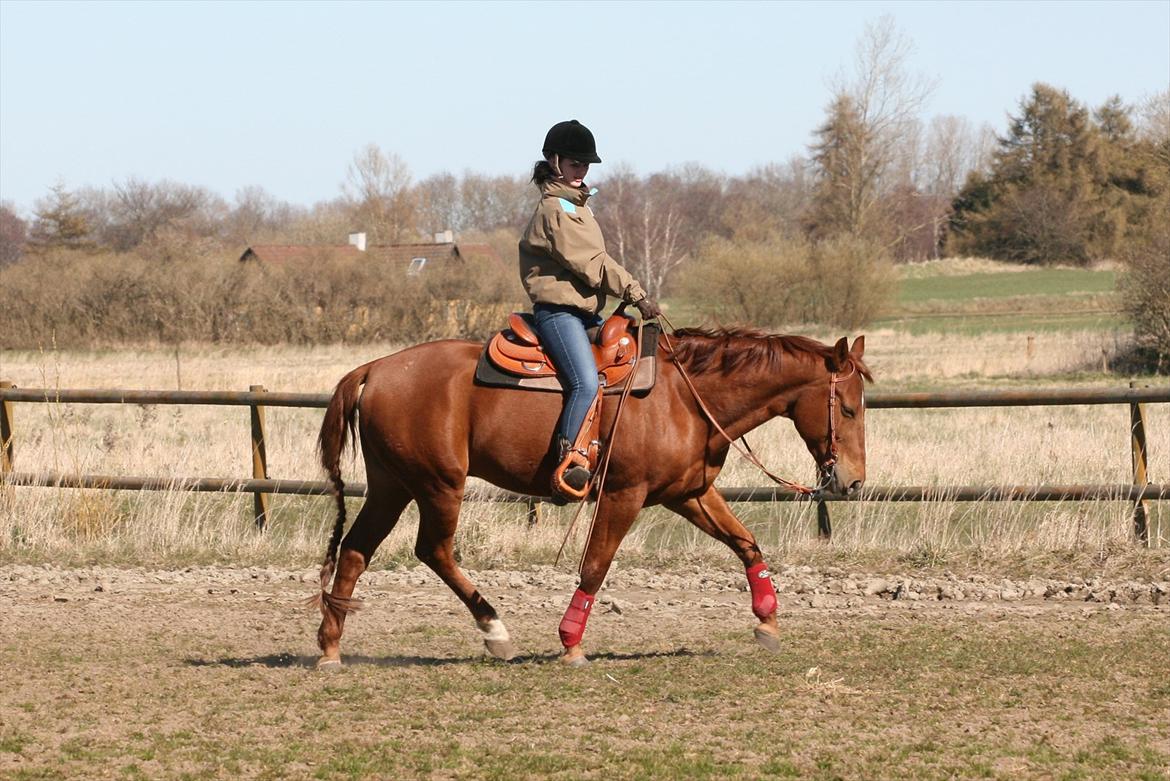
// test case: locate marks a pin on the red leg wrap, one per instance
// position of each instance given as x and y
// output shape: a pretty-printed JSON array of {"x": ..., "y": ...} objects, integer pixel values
[
  {"x": 763, "y": 594},
  {"x": 572, "y": 627}
]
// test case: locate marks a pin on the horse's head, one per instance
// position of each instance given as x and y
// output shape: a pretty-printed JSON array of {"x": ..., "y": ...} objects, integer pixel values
[{"x": 830, "y": 418}]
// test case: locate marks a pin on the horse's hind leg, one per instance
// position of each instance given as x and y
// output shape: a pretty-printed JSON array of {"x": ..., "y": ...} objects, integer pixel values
[
  {"x": 710, "y": 513},
  {"x": 438, "y": 518},
  {"x": 383, "y": 506}
]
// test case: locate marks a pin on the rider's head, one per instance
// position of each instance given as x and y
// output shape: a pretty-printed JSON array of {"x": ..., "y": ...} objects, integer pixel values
[{"x": 568, "y": 150}]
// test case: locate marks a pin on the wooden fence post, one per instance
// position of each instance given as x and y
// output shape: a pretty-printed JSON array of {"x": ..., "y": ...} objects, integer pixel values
[
  {"x": 259, "y": 458},
  {"x": 1137, "y": 439},
  {"x": 534, "y": 511},
  {"x": 824, "y": 525},
  {"x": 7, "y": 454}
]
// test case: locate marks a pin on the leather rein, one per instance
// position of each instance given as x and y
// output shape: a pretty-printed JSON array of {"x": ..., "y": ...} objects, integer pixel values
[{"x": 825, "y": 468}]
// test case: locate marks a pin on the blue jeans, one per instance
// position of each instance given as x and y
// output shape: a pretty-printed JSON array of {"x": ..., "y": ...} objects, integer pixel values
[{"x": 562, "y": 333}]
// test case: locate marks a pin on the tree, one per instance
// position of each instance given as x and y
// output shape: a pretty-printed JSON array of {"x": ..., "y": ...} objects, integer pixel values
[
  {"x": 847, "y": 173},
  {"x": 142, "y": 212},
  {"x": 13, "y": 235},
  {"x": 653, "y": 225},
  {"x": 439, "y": 204},
  {"x": 1062, "y": 186},
  {"x": 768, "y": 201},
  {"x": 950, "y": 151},
  {"x": 861, "y": 149},
  {"x": 491, "y": 202},
  {"x": 378, "y": 195},
  {"x": 1145, "y": 289},
  {"x": 60, "y": 221},
  {"x": 257, "y": 215}
]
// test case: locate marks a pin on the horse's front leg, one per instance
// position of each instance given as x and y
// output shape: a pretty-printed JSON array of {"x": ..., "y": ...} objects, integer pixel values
[
  {"x": 614, "y": 517},
  {"x": 710, "y": 513}
]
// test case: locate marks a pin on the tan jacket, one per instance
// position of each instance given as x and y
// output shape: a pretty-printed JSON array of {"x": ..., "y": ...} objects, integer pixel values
[{"x": 563, "y": 258}]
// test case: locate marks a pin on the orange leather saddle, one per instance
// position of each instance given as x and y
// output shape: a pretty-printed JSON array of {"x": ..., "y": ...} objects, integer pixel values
[{"x": 516, "y": 351}]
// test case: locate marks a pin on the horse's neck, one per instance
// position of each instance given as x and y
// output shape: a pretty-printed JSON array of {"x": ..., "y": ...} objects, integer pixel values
[{"x": 749, "y": 398}]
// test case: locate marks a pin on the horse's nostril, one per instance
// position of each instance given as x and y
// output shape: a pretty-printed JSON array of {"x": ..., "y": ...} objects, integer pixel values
[{"x": 854, "y": 487}]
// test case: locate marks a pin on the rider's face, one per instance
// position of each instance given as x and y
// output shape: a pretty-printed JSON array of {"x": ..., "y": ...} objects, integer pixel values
[{"x": 573, "y": 171}]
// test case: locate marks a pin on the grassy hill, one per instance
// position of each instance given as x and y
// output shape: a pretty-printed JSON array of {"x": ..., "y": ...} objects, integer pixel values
[{"x": 972, "y": 295}]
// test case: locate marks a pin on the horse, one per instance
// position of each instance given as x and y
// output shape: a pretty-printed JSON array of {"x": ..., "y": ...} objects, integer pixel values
[{"x": 425, "y": 426}]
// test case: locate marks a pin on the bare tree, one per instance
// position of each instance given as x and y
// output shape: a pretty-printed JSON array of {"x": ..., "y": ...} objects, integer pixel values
[
  {"x": 13, "y": 234},
  {"x": 952, "y": 150},
  {"x": 862, "y": 149},
  {"x": 439, "y": 204},
  {"x": 257, "y": 215},
  {"x": 654, "y": 225},
  {"x": 378, "y": 193},
  {"x": 1154, "y": 118},
  {"x": 491, "y": 202},
  {"x": 140, "y": 211},
  {"x": 768, "y": 201}
]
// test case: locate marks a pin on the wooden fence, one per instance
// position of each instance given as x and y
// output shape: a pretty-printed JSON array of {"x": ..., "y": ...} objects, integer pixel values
[{"x": 262, "y": 486}]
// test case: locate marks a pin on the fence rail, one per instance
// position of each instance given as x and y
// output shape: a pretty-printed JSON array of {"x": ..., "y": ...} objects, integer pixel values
[
  {"x": 261, "y": 486},
  {"x": 1004, "y": 398},
  {"x": 906, "y": 493}
]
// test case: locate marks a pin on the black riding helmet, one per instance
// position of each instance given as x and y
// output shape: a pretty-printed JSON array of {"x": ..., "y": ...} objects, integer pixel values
[{"x": 573, "y": 140}]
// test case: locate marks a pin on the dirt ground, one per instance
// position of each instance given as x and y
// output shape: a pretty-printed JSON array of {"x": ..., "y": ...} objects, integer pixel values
[{"x": 207, "y": 673}]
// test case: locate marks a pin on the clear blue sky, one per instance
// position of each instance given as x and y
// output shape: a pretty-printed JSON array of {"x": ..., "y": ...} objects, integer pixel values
[{"x": 281, "y": 95}]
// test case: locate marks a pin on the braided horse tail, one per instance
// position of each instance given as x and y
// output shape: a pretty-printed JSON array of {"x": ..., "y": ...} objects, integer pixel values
[{"x": 338, "y": 426}]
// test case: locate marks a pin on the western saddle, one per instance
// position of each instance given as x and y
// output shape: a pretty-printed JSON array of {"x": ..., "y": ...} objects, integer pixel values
[{"x": 516, "y": 350}]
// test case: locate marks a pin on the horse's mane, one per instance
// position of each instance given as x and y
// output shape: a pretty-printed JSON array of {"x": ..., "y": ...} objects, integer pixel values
[{"x": 705, "y": 350}]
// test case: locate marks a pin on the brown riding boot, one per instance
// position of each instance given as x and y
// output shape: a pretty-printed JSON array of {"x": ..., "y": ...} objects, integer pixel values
[{"x": 575, "y": 460}]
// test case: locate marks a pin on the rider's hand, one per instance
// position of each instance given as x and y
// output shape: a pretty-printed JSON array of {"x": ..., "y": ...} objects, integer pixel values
[{"x": 648, "y": 308}]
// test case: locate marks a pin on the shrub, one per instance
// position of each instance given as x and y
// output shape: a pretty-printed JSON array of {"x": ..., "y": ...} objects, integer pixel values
[
  {"x": 843, "y": 282},
  {"x": 74, "y": 299},
  {"x": 1145, "y": 289}
]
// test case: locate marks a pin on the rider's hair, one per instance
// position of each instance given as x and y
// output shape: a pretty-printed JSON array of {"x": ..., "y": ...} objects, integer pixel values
[{"x": 546, "y": 170}]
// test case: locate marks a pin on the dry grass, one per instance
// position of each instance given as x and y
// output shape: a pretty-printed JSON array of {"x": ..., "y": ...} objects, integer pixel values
[
  {"x": 957, "y": 267},
  {"x": 1030, "y": 446}
]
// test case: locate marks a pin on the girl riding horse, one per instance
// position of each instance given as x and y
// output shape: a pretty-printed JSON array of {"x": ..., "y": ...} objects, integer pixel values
[{"x": 568, "y": 274}]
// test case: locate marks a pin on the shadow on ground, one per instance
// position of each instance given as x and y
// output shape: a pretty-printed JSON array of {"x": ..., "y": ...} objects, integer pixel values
[{"x": 277, "y": 661}]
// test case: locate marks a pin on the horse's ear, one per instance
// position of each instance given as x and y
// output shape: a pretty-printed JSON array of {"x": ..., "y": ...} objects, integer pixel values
[
  {"x": 840, "y": 354},
  {"x": 858, "y": 348}
]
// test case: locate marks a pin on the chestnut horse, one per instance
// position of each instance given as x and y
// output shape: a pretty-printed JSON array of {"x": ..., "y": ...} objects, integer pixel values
[{"x": 425, "y": 426}]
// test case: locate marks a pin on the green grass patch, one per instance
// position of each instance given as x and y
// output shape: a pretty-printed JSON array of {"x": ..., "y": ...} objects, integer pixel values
[{"x": 1007, "y": 284}]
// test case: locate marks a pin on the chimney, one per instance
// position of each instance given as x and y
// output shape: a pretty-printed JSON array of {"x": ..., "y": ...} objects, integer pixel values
[
  {"x": 446, "y": 237},
  {"x": 358, "y": 240}
]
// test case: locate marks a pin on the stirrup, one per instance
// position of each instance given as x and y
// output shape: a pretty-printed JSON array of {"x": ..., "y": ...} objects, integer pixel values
[{"x": 572, "y": 477}]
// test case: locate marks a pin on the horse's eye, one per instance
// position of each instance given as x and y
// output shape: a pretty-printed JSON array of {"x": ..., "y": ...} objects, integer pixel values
[{"x": 848, "y": 411}]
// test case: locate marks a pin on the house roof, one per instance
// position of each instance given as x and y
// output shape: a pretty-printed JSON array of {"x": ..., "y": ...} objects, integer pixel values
[{"x": 403, "y": 253}]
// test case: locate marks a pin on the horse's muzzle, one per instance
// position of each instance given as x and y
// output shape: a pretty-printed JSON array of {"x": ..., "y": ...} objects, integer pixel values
[{"x": 832, "y": 482}]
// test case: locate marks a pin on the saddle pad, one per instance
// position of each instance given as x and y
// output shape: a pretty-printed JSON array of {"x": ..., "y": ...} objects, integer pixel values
[{"x": 644, "y": 373}]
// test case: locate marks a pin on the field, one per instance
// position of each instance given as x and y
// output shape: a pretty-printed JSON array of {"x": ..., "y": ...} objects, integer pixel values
[
  {"x": 215, "y": 681},
  {"x": 976, "y": 296},
  {"x": 160, "y": 636}
]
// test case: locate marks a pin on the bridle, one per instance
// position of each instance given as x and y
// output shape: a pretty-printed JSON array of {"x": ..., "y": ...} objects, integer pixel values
[
  {"x": 826, "y": 468},
  {"x": 829, "y": 467}
]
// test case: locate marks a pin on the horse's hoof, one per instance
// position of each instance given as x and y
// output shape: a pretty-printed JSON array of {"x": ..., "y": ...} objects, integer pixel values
[
  {"x": 328, "y": 665},
  {"x": 501, "y": 649},
  {"x": 575, "y": 657},
  {"x": 766, "y": 637}
]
